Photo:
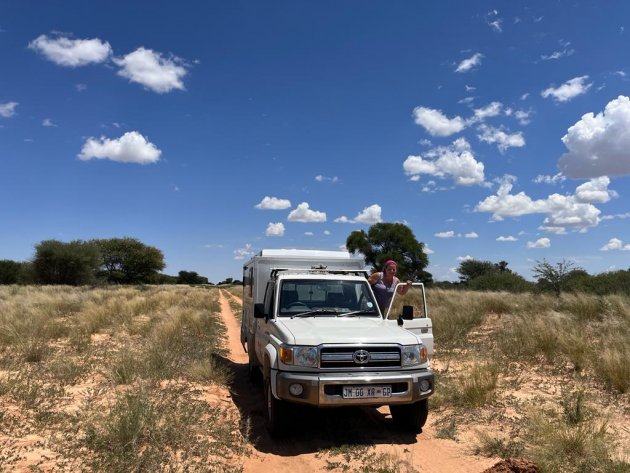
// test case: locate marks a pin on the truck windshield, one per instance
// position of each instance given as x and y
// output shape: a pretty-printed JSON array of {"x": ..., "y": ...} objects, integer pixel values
[{"x": 325, "y": 297}]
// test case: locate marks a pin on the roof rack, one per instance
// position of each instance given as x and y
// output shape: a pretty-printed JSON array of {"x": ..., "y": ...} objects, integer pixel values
[{"x": 318, "y": 270}]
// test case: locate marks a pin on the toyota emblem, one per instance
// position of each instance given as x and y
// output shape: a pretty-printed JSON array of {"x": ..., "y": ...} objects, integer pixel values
[{"x": 361, "y": 357}]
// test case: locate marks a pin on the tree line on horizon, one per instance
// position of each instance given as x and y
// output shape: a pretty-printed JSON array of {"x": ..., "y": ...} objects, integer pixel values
[
  {"x": 98, "y": 261},
  {"x": 384, "y": 241},
  {"x": 129, "y": 261}
]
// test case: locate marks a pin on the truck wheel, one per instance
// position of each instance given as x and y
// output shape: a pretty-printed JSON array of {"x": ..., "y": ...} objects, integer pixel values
[
  {"x": 275, "y": 412},
  {"x": 411, "y": 417},
  {"x": 255, "y": 376}
]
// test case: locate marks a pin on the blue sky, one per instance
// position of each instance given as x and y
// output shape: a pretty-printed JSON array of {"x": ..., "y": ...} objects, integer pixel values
[{"x": 494, "y": 130}]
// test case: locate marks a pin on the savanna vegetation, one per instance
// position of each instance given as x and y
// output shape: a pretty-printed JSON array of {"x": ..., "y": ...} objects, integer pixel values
[
  {"x": 114, "y": 379},
  {"x": 542, "y": 377},
  {"x": 125, "y": 379}
]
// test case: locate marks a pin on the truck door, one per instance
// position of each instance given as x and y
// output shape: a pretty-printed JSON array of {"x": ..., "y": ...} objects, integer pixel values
[
  {"x": 262, "y": 325},
  {"x": 411, "y": 309}
]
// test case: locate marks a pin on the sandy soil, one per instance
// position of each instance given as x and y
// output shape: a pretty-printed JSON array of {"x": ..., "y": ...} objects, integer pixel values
[{"x": 306, "y": 451}]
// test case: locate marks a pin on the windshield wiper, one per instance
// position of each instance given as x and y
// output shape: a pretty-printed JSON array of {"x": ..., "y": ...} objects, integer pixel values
[
  {"x": 315, "y": 311},
  {"x": 356, "y": 312}
]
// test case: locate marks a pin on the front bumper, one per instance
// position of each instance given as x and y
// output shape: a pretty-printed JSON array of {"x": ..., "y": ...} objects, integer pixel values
[{"x": 325, "y": 389}]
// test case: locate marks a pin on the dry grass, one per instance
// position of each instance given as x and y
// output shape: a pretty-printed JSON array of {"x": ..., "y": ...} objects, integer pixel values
[
  {"x": 544, "y": 347},
  {"x": 118, "y": 379},
  {"x": 114, "y": 379}
]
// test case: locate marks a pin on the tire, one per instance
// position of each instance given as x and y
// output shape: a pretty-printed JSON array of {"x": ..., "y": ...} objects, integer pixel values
[
  {"x": 275, "y": 413},
  {"x": 255, "y": 375},
  {"x": 410, "y": 417}
]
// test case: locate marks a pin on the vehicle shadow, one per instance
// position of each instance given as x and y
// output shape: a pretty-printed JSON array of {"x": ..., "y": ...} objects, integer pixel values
[{"x": 309, "y": 429}]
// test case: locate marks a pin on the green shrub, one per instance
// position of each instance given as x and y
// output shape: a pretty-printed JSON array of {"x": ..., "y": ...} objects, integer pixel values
[{"x": 506, "y": 281}]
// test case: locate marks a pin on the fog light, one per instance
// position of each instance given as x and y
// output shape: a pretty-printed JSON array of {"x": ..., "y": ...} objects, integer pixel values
[
  {"x": 296, "y": 389},
  {"x": 424, "y": 385}
]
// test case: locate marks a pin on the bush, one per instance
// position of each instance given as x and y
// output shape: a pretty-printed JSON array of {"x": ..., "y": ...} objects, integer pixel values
[
  {"x": 190, "y": 277},
  {"x": 72, "y": 263},
  {"x": 511, "y": 282},
  {"x": 9, "y": 271}
]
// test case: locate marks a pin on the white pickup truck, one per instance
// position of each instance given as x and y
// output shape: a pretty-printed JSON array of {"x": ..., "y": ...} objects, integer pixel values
[{"x": 314, "y": 332}]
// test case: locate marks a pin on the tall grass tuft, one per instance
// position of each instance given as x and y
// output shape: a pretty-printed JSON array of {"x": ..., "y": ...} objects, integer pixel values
[
  {"x": 571, "y": 440},
  {"x": 613, "y": 365},
  {"x": 473, "y": 387},
  {"x": 454, "y": 314},
  {"x": 491, "y": 446},
  {"x": 583, "y": 307},
  {"x": 529, "y": 336},
  {"x": 145, "y": 430}
]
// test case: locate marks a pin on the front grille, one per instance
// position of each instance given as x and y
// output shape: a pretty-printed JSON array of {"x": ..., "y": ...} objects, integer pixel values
[{"x": 351, "y": 357}]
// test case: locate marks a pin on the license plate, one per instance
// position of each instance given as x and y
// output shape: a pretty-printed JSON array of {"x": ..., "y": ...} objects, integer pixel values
[{"x": 363, "y": 392}]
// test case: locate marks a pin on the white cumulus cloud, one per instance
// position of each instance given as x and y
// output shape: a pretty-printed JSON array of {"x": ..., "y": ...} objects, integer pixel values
[
  {"x": 493, "y": 109},
  {"x": 273, "y": 203},
  {"x": 245, "y": 252},
  {"x": 369, "y": 215},
  {"x": 595, "y": 191},
  {"x": 436, "y": 123},
  {"x": 7, "y": 110},
  {"x": 304, "y": 214},
  {"x": 507, "y": 238},
  {"x": 456, "y": 161},
  {"x": 503, "y": 140},
  {"x": 540, "y": 243},
  {"x": 615, "y": 244},
  {"x": 470, "y": 63},
  {"x": 150, "y": 69},
  {"x": 471, "y": 235},
  {"x": 569, "y": 90},
  {"x": 448, "y": 234},
  {"x": 561, "y": 211},
  {"x": 523, "y": 116},
  {"x": 72, "y": 52},
  {"x": 48, "y": 123},
  {"x": 132, "y": 147},
  {"x": 556, "y": 178},
  {"x": 275, "y": 229},
  {"x": 599, "y": 145},
  {"x": 321, "y": 178}
]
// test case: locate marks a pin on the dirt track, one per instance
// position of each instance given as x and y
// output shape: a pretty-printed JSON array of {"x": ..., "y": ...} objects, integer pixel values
[{"x": 319, "y": 430}]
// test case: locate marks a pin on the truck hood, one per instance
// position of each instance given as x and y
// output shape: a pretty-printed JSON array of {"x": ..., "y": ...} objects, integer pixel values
[{"x": 361, "y": 330}]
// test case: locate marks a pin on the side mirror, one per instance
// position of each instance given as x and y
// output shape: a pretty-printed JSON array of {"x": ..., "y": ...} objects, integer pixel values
[
  {"x": 407, "y": 312},
  {"x": 259, "y": 311}
]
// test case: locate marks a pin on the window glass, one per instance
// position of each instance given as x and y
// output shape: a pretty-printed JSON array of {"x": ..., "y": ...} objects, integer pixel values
[{"x": 333, "y": 296}]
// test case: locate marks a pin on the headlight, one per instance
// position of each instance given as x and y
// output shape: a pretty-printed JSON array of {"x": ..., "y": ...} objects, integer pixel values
[
  {"x": 299, "y": 356},
  {"x": 414, "y": 355}
]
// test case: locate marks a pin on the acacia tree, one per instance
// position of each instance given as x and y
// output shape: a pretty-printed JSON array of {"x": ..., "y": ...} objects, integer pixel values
[
  {"x": 553, "y": 276},
  {"x": 129, "y": 261},
  {"x": 395, "y": 241}
]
